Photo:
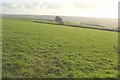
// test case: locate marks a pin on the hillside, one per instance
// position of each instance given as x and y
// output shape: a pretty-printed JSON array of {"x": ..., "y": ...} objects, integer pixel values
[{"x": 37, "y": 50}]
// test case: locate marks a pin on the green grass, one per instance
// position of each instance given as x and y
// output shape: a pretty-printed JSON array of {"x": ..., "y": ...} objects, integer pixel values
[{"x": 36, "y": 50}]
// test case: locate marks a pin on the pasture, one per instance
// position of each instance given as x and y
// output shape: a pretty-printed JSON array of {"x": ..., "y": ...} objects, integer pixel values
[{"x": 37, "y": 50}]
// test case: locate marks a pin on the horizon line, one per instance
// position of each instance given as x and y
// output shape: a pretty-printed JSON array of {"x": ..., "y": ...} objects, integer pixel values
[{"x": 58, "y": 15}]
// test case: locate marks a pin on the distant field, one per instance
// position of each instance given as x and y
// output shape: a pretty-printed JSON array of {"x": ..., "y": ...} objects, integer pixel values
[
  {"x": 36, "y": 50},
  {"x": 68, "y": 23},
  {"x": 109, "y": 23}
]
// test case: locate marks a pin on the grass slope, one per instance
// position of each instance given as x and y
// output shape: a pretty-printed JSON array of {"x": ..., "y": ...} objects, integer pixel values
[{"x": 34, "y": 50}]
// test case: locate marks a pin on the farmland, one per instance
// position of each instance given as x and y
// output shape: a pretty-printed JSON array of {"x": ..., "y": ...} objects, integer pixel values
[{"x": 37, "y": 50}]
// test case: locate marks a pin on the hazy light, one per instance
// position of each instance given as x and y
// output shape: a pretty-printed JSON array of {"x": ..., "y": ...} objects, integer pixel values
[{"x": 85, "y": 8}]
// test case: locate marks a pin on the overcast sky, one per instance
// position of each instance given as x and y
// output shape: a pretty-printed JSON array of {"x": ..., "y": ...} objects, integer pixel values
[{"x": 82, "y": 8}]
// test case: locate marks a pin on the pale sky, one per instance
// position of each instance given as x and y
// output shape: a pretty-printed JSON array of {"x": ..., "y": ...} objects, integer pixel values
[{"x": 82, "y": 8}]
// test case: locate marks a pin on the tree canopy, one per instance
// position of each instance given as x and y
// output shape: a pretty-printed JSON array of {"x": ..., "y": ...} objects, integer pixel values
[{"x": 59, "y": 20}]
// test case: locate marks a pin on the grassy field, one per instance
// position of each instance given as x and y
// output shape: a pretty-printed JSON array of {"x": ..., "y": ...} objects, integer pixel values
[{"x": 36, "y": 50}]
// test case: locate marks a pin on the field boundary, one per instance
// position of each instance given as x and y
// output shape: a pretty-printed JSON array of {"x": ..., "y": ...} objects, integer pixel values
[{"x": 78, "y": 26}]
